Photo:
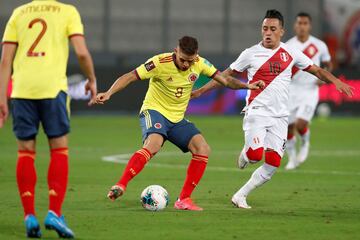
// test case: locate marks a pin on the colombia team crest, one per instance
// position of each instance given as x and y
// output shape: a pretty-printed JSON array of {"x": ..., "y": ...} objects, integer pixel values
[
  {"x": 158, "y": 125},
  {"x": 193, "y": 77}
]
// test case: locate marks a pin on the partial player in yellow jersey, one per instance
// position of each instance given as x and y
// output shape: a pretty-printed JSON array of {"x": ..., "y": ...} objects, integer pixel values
[
  {"x": 172, "y": 76},
  {"x": 36, "y": 47}
]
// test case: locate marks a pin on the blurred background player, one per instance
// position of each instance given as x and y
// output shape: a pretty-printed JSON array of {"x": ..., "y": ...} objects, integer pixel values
[
  {"x": 304, "y": 89},
  {"x": 36, "y": 45},
  {"x": 172, "y": 76},
  {"x": 266, "y": 113}
]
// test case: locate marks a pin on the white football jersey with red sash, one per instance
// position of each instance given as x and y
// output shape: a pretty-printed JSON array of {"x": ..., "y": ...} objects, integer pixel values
[
  {"x": 274, "y": 67},
  {"x": 317, "y": 51}
]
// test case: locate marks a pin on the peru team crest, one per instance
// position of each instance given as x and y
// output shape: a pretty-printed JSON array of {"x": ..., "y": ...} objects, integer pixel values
[
  {"x": 193, "y": 77},
  {"x": 312, "y": 50},
  {"x": 284, "y": 56}
]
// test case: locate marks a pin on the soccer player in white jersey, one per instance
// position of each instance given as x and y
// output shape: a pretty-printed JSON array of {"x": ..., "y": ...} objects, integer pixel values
[
  {"x": 266, "y": 112},
  {"x": 304, "y": 89}
]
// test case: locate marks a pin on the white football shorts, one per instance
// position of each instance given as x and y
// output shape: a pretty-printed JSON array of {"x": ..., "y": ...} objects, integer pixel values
[
  {"x": 266, "y": 132},
  {"x": 302, "y": 103}
]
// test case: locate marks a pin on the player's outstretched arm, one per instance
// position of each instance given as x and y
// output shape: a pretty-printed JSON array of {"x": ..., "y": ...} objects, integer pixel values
[
  {"x": 328, "y": 66},
  {"x": 118, "y": 85},
  {"x": 326, "y": 76},
  {"x": 86, "y": 64},
  {"x": 209, "y": 86},
  {"x": 233, "y": 83},
  {"x": 7, "y": 56},
  {"x": 226, "y": 79}
]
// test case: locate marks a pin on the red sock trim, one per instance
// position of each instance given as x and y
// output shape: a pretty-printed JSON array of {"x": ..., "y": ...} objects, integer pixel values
[
  {"x": 255, "y": 155},
  {"x": 64, "y": 151},
  {"x": 198, "y": 157},
  {"x": 272, "y": 158},
  {"x": 26, "y": 153},
  {"x": 146, "y": 153},
  {"x": 290, "y": 136},
  {"x": 303, "y": 131}
]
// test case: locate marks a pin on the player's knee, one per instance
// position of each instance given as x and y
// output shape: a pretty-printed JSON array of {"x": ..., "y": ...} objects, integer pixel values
[
  {"x": 272, "y": 158},
  {"x": 202, "y": 149},
  {"x": 255, "y": 155},
  {"x": 301, "y": 126},
  {"x": 153, "y": 143}
]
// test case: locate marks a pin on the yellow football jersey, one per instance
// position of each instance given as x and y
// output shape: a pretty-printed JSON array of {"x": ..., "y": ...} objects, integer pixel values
[
  {"x": 41, "y": 29},
  {"x": 170, "y": 88}
]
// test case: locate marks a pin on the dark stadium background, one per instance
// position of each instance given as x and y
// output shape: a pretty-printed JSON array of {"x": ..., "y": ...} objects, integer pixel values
[{"x": 122, "y": 34}]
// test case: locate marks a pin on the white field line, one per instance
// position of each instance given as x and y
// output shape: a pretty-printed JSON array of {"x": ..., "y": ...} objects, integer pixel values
[{"x": 123, "y": 159}]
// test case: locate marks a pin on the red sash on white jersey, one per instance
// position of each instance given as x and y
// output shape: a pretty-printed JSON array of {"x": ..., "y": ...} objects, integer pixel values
[{"x": 270, "y": 70}]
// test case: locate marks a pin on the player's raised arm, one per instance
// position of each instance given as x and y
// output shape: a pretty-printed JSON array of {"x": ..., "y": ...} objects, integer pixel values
[
  {"x": 327, "y": 77},
  {"x": 120, "y": 83},
  {"x": 86, "y": 64},
  {"x": 7, "y": 56}
]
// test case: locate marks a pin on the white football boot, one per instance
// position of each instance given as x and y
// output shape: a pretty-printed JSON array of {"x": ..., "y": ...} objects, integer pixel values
[
  {"x": 242, "y": 161},
  {"x": 240, "y": 202},
  {"x": 303, "y": 152}
]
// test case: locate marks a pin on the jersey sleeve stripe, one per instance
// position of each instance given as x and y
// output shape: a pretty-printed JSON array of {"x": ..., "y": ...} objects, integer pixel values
[
  {"x": 167, "y": 61},
  {"x": 137, "y": 74},
  {"x": 166, "y": 58},
  {"x": 9, "y": 42},
  {"x": 236, "y": 71},
  {"x": 76, "y": 35},
  {"x": 307, "y": 68}
]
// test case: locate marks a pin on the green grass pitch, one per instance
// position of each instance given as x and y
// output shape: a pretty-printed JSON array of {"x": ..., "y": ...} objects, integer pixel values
[{"x": 320, "y": 200}]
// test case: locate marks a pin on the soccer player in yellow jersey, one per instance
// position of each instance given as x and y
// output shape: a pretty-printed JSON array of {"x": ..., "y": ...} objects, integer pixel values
[
  {"x": 172, "y": 76},
  {"x": 35, "y": 45}
]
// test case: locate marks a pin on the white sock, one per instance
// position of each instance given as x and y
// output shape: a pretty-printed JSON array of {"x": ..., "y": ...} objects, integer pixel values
[
  {"x": 290, "y": 144},
  {"x": 260, "y": 176},
  {"x": 291, "y": 148},
  {"x": 306, "y": 137}
]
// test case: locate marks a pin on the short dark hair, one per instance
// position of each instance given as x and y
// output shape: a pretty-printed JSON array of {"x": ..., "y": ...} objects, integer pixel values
[
  {"x": 273, "y": 13},
  {"x": 304, "y": 14},
  {"x": 188, "y": 45}
]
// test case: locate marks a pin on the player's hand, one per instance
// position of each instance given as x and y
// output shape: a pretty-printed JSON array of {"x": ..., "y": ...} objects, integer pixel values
[
  {"x": 4, "y": 112},
  {"x": 345, "y": 88},
  {"x": 195, "y": 94},
  {"x": 91, "y": 87},
  {"x": 102, "y": 97},
  {"x": 256, "y": 85}
]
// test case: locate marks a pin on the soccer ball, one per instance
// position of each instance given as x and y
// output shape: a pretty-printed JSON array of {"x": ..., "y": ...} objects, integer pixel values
[{"x": 154, "y": 198}]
